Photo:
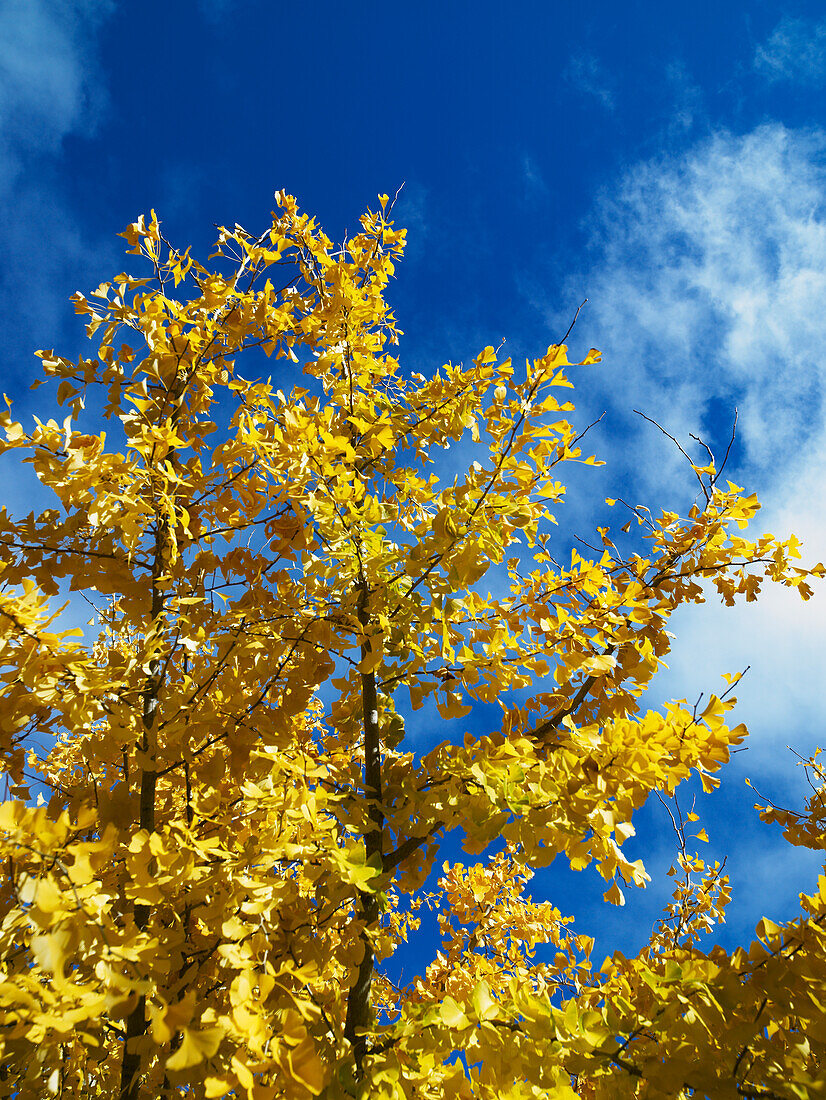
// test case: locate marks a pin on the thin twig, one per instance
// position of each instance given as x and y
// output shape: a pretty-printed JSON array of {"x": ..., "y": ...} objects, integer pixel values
[
  {"x": 571, "y": 326},
  {"x": 679, "y": 448},
  {"x": 730, "y": 443}
]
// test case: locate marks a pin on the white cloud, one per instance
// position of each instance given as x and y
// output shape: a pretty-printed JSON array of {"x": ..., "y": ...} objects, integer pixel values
[
  {"x": 707, "y": 288},
  {"x": 48, "y": 76},
  {"x": 795, "y": 51},
  {"x": 779, "y": 636},
  {"x": 50, "y": 87},
  {"x": 586, "y": 74},
  {"x": 708, "y": 282}
]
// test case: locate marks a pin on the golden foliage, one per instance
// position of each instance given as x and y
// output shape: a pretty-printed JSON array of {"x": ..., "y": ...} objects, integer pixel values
[{"x": 234, "y": 831}]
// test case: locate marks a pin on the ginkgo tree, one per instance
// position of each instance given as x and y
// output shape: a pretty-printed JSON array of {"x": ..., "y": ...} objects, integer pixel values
[{"x": 215, "y": 831}]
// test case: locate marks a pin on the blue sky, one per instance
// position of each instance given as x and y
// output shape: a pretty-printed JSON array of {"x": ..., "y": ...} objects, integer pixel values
[{"x": 668, "y": 162}]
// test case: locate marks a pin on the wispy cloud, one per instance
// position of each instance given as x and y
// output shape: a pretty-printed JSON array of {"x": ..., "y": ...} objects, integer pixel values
[
  {"x": 216, "y": 10},
  {"x": 50, "y": 88},
  {"x": 686, "y": 100},
  {"x": 586, "y": 74},
  {"x": 532, "y": 177},
  {"x": 795, "y": 51},
  {"x": 707, "y": 284},
  {"x": 48, "y": 77},
  {"x": 706, "y": 274}
]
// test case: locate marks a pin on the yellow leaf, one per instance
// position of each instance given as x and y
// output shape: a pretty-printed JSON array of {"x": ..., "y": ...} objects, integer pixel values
[
  {"x": 453, "y": 1015},
  {"x": 306, "y": 1067},
  {"x": 50, "y": 950},
  {"x": 483, "y": 1004},
  {"x": 196, "y": 1047},
  {"x": 42, "y": 892},
  {"x": 602, "y": 663},
  {"x": 242, "y": 1072},
  {"x": 614, "y": 895},
  {"x": 169, "y": 1019},
  {"x": 218, "y": 1086}
]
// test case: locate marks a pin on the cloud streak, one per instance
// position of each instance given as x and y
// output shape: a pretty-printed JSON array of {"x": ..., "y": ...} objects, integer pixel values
[
  {"x": 794, "y": 52},
  {"x": 49, "y": 83},
  {"x": 585, "y": 73},
  {"x": 50, "y": 88}
]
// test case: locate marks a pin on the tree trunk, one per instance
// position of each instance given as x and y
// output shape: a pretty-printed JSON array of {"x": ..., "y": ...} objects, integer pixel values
[
  {"x": 358, "y": 1000},
  {"x": 136, "y": 1020}
]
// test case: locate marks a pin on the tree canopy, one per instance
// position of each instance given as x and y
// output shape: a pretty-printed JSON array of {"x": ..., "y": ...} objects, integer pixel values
[{"x": 215, "y": 829}]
